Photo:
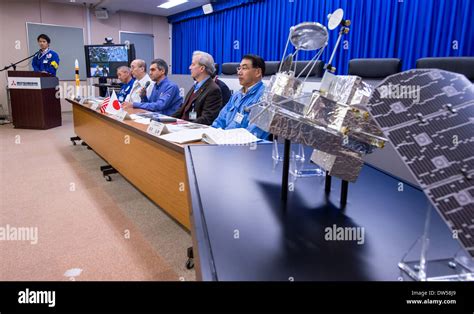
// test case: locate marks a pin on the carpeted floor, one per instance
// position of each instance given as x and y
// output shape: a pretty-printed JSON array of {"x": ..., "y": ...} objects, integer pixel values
[{"x": 87, "y": 228}]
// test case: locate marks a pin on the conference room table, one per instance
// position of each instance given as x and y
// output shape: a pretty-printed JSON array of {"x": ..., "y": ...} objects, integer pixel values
[
  {"x": 243, "y": 231},
  {"x": 156, "y": 167},
  {"x": 229, "y": 197}
]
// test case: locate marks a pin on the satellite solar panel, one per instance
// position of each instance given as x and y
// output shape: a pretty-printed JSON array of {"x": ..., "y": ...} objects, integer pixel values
[{"x": 428, "y": 116}]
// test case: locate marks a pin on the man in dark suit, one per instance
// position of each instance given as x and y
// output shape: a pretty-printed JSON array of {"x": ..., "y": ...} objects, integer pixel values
[{"x": 204, "y": 101}]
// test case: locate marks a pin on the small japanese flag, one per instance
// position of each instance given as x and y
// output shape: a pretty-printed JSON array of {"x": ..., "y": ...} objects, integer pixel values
[{"x": 114, "y": 106}]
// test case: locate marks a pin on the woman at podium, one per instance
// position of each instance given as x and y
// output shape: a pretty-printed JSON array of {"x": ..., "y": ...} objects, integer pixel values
[{"x": 46, "y": 60}]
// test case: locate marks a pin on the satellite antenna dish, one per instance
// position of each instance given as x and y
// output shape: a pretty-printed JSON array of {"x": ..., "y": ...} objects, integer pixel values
[
  {"x": 335, "y": 18},
  {"x": 309, "y": 36}
]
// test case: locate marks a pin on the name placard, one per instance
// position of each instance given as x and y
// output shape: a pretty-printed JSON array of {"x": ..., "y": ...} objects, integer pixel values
[{"x": 155, "y": 128}]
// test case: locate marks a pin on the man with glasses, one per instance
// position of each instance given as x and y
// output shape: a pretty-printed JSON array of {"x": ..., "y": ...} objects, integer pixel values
[
  {"x": 204, "y": 101},
  {"x": 235, "y": 113}
]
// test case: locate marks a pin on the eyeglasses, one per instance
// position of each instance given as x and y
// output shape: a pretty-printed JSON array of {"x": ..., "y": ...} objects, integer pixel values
[{"x": 244, "y": 68}]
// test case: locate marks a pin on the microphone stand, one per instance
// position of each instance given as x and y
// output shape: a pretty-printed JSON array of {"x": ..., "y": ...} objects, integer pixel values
[{"x": 13, "y": 65}]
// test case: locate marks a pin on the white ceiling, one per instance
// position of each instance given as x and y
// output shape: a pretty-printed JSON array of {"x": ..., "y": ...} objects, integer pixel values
[{"x": 141, "y": 6}]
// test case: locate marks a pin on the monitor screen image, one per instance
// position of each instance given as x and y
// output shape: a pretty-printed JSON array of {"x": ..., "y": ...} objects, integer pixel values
[
  {"x": 104, "y": 60},
  {"x": 99, "y": 70},
  {"x": 108, "y": 54}
]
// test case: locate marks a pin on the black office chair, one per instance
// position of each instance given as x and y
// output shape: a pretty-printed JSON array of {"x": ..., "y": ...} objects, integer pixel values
[
  {"x": 226, "y": 92},
  {"x": 230, "y": 68},
  {"x": 461, "y": 65},
  {"x": 374, "y": 68},
  {"x": 271, "y": 67},
  {"x": 316, "y": 71}
]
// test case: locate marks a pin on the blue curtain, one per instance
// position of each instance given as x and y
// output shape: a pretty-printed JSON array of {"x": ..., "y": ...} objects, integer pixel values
[
  {"x": 405, "y": 29},
  {"x": 217, "y": 5}
]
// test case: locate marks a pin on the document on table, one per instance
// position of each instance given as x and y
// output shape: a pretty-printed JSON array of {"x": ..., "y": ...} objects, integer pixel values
[
  {"x": 212, "y": 136},
  {"x": 184, "y": 136},
  {"x": 139, "y": 119},
  {"x": 237, "y": 136}
]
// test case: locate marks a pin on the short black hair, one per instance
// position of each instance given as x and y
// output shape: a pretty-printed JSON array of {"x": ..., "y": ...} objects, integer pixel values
[
  {"x": 161, "y": 64},
  {"x": 257, "y": 62},
  {"x": 45, "y": 37}
]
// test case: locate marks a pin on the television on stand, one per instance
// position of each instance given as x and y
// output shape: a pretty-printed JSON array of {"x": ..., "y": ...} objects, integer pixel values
[{"x": 102, "y": 62}]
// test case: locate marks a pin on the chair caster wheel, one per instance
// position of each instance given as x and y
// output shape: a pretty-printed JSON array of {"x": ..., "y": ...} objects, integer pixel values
[
  {"x": 190, "y": 264},
  {"x": 73, "y": 143},
  {"x": 108, "y": 178}
]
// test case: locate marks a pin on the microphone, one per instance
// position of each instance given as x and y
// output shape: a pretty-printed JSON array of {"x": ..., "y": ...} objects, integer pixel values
[
  {"x": 143, "y": 92},
  {"x": 146, "y": 86}
]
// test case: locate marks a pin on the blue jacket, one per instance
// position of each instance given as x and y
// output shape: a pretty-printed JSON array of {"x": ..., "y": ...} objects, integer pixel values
[
  {"x": 47, "y": 61},
  {"x": 164, "y": 98},
  {"x": 228, "y": 118},
  {"x": 125, "y": 90}
]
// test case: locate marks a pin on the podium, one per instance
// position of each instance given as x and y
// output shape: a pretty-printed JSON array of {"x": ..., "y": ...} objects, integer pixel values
[{"x": 34, "y": 104}]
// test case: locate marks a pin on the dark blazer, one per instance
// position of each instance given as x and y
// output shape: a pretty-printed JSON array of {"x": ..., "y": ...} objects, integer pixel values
[{"x": 207, "y": 104}]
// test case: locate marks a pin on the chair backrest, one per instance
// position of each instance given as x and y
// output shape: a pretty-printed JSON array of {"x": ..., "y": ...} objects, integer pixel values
[
  {"x": 462, "y": 65},
  {"x": 375, "y": 68},
  {"x": 230, "y": 68},
  {"x": 317, "y": 70},
  {"x": 271, "y": 67}
]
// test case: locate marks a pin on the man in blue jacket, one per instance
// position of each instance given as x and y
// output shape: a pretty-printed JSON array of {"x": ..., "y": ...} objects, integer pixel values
[
  {"x": 125, "y": 77},
  {"x": 46, "y": 60},
  {"x": 235, "y": 113},
  {"x": 164, "y": 98}
]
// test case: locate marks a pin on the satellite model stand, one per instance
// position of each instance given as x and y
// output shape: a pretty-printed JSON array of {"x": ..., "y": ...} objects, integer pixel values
[
  {"x": 427, "y": 114},
  {"x": 332, "y": 120},
  {"x": 459, "y": 267}
]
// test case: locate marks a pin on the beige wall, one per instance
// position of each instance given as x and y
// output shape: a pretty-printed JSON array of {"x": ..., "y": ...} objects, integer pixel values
[{"x": 15, "y": 13}]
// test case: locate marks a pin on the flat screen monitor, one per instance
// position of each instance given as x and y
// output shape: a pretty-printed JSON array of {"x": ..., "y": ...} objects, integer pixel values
[{"x": 104, "y": 60}]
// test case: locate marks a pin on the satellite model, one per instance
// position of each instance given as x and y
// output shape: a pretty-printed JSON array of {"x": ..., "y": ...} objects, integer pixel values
[
  {"x": 427, "y": 114},
  {"x": 333, "y": 120}
]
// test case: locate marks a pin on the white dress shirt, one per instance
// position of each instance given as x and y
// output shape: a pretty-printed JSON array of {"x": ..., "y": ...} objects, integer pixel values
[{"x": 134, "y": 95}]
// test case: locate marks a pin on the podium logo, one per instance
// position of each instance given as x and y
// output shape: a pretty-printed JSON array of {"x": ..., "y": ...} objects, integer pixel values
[{"x": 25, "y": 84}]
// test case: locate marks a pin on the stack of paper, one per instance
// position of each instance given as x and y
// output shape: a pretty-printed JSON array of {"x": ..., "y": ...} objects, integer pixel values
[
  {"x": 139, "y": 119},
  {"x": 184, "y": 136},
  {"x": 212, "y": 136},
  {"x": 238, "y": 136}
]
